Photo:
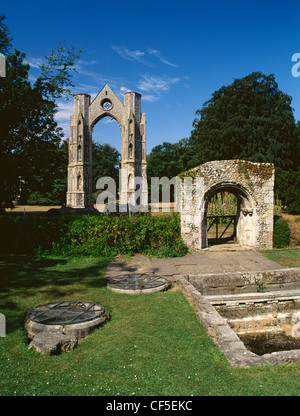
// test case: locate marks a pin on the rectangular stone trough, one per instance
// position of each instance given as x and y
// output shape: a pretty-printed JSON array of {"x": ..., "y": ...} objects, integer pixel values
[{"x": 232, "y": 305}]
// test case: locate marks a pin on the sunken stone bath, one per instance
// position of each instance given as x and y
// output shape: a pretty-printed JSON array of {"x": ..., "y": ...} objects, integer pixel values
[
  {"x": 265, "y": 326},
  {"x": 57, "y": 327},
  {"x": 253, "y": 317}
]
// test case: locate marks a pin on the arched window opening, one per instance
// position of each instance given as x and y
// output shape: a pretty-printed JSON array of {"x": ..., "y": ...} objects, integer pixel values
[
  {"x": 130, "y": 151},
  {"x": 106, "y": 151},
  {"x": 130, "y": 182},
  {"x": 79, "y": 183},
  {"x": 79, "y": 153}
]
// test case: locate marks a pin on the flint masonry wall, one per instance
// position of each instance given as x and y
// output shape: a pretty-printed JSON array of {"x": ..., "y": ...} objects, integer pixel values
[{"x": 252, "y": 184}]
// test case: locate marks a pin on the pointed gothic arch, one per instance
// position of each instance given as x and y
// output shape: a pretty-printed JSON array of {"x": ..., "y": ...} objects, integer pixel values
[{"x": 133, "y": 135}]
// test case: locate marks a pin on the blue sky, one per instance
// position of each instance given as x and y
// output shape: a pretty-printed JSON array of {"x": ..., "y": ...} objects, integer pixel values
[{"x": 175, "y": 53}]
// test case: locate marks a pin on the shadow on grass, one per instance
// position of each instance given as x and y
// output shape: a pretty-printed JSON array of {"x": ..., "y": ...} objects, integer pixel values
[{"x": 24, "y": 279}]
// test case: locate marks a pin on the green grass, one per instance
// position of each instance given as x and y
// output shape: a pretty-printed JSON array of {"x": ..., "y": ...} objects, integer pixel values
[
  {"x": 288, "y": 257},
  {"x": 153, "y": 344}
]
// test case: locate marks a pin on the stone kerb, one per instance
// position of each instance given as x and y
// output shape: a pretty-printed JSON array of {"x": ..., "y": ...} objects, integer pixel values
[{"x": 233, "y": 283}]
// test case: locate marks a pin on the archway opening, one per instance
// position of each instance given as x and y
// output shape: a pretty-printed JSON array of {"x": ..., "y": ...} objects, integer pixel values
[
  {"x": 106, "y": 151},
  {"x": 226, "y": 208},
  {"x": 221, "y": 218}
]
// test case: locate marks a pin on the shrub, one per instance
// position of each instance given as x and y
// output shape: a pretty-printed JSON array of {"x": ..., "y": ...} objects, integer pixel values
[
  {"x": 92, "y": 235},
  {"x": 287, "y": 187},
  {"x": 111, "y": 236},
  {"x": 23, "y": 235},
  {"x": 281, "y": 236}
]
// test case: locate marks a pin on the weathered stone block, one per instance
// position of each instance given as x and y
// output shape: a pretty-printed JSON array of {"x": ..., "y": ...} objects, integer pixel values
[{"x": 52, "y": 342}]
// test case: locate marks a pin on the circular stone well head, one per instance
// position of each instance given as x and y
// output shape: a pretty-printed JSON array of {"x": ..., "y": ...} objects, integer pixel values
[
  {"x": 76, "y": 318},
  {"x": 137, "y": 283}
]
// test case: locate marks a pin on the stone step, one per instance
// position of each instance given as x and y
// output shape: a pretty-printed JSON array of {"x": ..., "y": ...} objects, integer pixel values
[{"x": 252, "y": 298}]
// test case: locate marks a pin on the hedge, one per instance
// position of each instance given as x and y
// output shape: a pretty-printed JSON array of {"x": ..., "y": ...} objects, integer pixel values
[
  {"x": 281, "y": 237},
  {"x": 92, "y": 235}
]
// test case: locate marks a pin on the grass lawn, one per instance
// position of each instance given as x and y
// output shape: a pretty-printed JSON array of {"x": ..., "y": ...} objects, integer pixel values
[
  {"x": 153, "y": 344},
  {"x": 288, "y": 257}
]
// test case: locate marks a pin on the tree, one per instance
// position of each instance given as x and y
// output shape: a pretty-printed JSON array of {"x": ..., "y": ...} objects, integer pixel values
[
  {"x": 165, "y": 160},
  {"x": 5, "y": 39},
  {"x": 287, "y": 187},
  {"x": 106, "y": 162},
  {"x": 48, "y": 177},
  {"x": 29, "y": 135},
  {"x": 250, "y": 119}
]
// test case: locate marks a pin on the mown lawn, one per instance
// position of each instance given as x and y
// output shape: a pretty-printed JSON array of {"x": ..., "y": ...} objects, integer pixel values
[
  {"x": 153, "y": 344},
  {"x": 288, "y": 257}
]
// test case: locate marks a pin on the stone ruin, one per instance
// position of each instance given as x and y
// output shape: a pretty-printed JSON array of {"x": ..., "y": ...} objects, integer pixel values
[
  {"x": 252, "y": 184},
  {"x": 133, "y": 131}
]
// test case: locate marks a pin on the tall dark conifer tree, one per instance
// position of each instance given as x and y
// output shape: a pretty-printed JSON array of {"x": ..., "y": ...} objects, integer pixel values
[{"x": 250, "y": 119}]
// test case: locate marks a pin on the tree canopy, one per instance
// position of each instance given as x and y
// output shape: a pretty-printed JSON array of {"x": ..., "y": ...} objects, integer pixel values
[
  {"x": 163, "y": 161},
  {"x": 29, "y": 135},
  {"x": 106, "y": 162},
  {"x": 249, "y": 119}
]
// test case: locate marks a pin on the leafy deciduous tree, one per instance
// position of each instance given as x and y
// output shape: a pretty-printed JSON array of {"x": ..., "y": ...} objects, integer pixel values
[
  {"x": 106, "y": 162},
  {"x": 28, "y": 131}
]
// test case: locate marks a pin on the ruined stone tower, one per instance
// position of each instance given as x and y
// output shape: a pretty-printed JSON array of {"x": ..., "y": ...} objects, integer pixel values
[{"x": 133, "y": 131}]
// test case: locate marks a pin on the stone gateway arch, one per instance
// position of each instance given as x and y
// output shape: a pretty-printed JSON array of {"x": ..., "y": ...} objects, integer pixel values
[
  {"x": 133, "y": 132},
  {"x": 253, "y": 186}
]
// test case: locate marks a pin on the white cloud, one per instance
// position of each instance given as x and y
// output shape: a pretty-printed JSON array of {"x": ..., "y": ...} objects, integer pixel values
[
  {"x": 32, "y": 78},
  {"x": 158, "y": 55},
  {"x": 64, "y": 111},
  {"x": 151, "y": 98},
  {"x": 82, "y": 62},
  {"x": 156, "y": 84},
  {"x": 123, "y": 90},
  {"x": 139, "y": 56},
  {"x": 34, "y": 62},
  {"x": 128, "y": 54}
]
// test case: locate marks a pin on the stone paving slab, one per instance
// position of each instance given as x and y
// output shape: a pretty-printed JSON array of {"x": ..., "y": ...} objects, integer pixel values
[
  {"x": 188, "y": 269},
  {"x": 206, "y": 261},
  {"x": 190, "y": 258},
  {"x": 209, "y": 268}
]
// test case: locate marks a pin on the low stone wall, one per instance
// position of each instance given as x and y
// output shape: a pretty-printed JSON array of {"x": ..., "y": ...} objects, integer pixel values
[
  {"x": 246, "y": 282},
  {"x": 225, "y": 338}
]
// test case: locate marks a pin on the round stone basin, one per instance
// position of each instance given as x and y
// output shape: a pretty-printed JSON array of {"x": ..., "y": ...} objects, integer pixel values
[
  {"x": 76, "y": 318},
  {"x": 137, "y": 283}
]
